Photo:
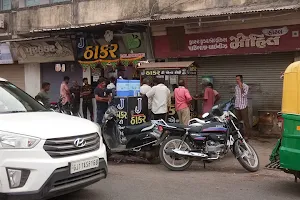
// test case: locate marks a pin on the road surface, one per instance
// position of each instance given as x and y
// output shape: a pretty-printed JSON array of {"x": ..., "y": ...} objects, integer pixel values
[{"x": 224, "y": 179}]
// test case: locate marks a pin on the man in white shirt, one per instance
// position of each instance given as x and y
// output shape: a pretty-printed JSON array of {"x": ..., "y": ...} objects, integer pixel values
[
  {"x": 143, "y": 90},
  {"x": 161, "y": 99}
]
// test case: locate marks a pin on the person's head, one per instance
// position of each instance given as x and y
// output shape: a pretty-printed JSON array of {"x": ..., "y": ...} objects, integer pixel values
[
  {"x": 75, "y": 83},
  {"x": 209, "y": 84},
  {"x": 146, "y": 81},
  {"x": 181, "y": 82},
  {"x": 155, "y": 81},
  {"x": 239, "y": 79},
  {"x": 66, "y": 79},
  {"x": 113, "y": 80},
  {"x": 85, "y": 81},
  {"x": 102, "y": 82},
  {"x": 46, "y": 86}
]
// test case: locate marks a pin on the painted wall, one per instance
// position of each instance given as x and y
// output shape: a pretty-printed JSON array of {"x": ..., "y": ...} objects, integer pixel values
[{"x": 77, "y": 12}]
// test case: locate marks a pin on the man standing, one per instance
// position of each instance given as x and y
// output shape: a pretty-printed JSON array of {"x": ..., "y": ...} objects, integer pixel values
[
  {"x": 87, "y": 99},
  {"x": 65, "y": 94},
  {"x": 102, "y": 98},
  {"x": 182, "y": 101},
  {"x": 143, "y": 90},
  {"x": 161, "y": 99},
  {"x": 75, "y": 100},
  {"x": 208, "y": 98},
  {"x": 43, "y": 95},
  {"x": 241, "y": 103}
]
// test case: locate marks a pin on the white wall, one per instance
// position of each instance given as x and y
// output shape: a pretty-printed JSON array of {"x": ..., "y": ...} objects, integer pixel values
[{"x": 32, "y": 78}]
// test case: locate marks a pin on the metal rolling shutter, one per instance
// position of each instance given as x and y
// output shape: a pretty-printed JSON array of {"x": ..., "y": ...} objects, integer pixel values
[
  {"x": 14, "y": 74},
  {"x": 261, "y": 73}
]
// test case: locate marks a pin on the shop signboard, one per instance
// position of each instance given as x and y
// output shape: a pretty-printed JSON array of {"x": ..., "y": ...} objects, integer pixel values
[
  {"x": 109, "y": 49},
  {"x": 131, "y": 111},
  {"x": 234, "y": 42},
  {"x": 160, "y": 72},
  {"x": 43, "y": 51},
  {"x": 5, "y": 54}
]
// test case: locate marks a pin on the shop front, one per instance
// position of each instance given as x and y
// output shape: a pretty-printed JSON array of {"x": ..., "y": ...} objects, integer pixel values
[
  {"x": 260, "y": 55},
  {"x": 48, "y": 60},
  {"x": 9, "y": 70},
  {"x": 170, "y": 73},
  {"x": 114, "y": 55}
]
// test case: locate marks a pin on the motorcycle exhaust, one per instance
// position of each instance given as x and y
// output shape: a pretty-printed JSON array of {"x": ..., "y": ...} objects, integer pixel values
[{"x": 189, "y": 153}]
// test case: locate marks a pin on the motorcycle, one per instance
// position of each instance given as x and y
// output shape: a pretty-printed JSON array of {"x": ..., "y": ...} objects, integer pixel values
[
  {"x": 58, "y": 107},
  {"x": 137, "y": 140},
  {"x": 211, "y": 139}
]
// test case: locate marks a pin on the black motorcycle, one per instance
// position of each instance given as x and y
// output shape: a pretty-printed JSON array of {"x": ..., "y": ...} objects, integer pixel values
[
  {"x": 137, "y": 140},
  {"x": 181, "y": 145}
]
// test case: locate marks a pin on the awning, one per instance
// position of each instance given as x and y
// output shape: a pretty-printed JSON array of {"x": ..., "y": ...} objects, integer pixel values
[
  {"x": 218, "y": 12},
  {"x": 166, "y": 65},
  {"x": 73, "y": 27},
  {"x": 24, "y": 39}
]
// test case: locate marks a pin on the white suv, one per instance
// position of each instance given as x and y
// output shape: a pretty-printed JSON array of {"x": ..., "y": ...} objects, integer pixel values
[{"x": 44, "y": 154}]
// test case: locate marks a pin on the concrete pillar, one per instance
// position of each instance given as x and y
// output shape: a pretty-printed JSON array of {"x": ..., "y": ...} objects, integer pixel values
[
  {"x": 32, "y": 78},
  {"x": 87, "y": 74}
]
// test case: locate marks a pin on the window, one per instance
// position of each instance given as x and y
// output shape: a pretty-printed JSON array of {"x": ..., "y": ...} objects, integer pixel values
[
  {"x": 29, "y": 3},
  {"x": 32, "y": 3},
  {"x": 5, "y": 4}
]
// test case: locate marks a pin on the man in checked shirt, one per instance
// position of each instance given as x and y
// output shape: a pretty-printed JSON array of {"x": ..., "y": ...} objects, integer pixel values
[{"x": 241, "y": 104}]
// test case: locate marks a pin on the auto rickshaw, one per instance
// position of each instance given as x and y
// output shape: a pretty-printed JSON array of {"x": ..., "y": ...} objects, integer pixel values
[{"x": 286, "y": 154}]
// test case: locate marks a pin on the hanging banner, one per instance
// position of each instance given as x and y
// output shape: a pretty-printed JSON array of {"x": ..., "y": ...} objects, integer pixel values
[
  {"x": 235, "y": 42},
  {"x": 43, "y": 51},
  {"x": 5, "y": 54}
]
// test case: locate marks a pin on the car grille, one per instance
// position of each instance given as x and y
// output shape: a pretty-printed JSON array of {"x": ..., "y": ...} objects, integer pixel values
[
  {"x": 62, "y": 147},
  {"x": 78, "y": 178}
]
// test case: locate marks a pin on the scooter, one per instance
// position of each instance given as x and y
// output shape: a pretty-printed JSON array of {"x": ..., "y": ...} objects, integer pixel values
[{"x": 137, "y": 140}]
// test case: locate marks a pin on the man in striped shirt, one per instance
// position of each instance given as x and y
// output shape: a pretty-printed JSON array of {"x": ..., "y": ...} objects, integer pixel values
[{"x": 241, "y": 103}]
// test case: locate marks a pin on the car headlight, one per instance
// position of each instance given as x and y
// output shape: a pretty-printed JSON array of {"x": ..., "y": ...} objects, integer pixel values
[{"x": 16, "y": 141}]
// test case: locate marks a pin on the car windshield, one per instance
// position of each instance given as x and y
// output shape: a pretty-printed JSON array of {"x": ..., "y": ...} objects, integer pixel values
[{"x": 14, "y": 100}]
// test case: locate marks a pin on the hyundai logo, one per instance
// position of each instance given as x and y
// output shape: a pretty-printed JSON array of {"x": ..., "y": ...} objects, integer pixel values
[{"x": 79, "y": 142}]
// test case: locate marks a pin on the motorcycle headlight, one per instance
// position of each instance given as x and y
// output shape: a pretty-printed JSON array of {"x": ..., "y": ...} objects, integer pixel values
[{"x": 16, "y": 141}]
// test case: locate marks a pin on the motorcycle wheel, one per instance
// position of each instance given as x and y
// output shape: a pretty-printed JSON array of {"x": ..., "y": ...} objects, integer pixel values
[
  {"x": 170, "y": 164},
  {"x": 243, "y": 156}
]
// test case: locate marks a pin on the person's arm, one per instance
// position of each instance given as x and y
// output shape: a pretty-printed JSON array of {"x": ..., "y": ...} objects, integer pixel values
[
  {"x": 245, "y": 90},
  {"x": 169, "y": 98},
  {"x": 217, "y": 97},
  {"x": 100, "y": 97},
  {"x": 205, "y": 97},
  {"x": 188, "y": 96},
  {"x": 151, "y": 93}
]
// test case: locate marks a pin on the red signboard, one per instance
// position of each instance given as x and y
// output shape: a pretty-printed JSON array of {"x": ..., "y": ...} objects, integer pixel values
[{"x": 249, "y": 41}]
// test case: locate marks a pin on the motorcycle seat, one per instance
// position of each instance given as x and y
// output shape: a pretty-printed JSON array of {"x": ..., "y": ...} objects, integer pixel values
[{"x": 136, "y": 129}]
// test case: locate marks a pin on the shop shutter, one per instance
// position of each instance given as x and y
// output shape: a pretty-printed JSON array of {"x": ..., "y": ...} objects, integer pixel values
[
  {"x": 14, "y": 74},
  {"x": 261, "y": 73}
]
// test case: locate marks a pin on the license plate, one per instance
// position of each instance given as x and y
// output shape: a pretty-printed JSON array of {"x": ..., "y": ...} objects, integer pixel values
[{"x": 82, "y": 165}]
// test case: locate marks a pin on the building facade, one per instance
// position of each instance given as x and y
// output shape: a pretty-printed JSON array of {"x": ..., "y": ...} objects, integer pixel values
[{"x": 225, "y": 38}]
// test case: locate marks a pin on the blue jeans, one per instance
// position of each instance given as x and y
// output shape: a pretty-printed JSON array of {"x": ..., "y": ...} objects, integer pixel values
[{"x": 100, "y": 115}]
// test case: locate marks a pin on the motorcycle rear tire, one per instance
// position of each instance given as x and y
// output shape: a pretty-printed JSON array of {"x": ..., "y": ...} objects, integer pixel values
[{"x": 165, "y": 163}]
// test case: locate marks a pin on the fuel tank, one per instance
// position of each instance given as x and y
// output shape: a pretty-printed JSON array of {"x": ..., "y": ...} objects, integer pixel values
[{"x": 215, "y": 131}]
